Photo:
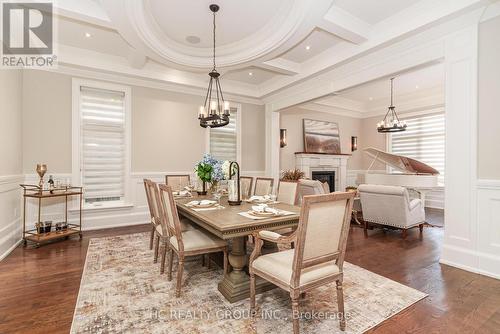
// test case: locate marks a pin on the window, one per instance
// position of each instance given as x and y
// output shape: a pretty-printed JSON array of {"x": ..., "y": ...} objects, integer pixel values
[
  {"x": 224, "y": 140},
  {"x": 423, "y": 140},
  {"x": 102, "y": 143}
]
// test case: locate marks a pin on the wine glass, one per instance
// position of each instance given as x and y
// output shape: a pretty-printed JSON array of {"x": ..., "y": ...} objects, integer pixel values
[{"x": 217, "y": 196}]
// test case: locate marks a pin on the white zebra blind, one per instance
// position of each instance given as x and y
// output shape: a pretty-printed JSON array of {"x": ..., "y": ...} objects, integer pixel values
[
  {"x": 423, "y": 140},
  {"x": 223, "y": 140},
  {"x": 102, "y": 121}
]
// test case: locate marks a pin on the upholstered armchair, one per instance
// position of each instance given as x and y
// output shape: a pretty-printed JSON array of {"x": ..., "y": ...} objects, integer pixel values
[
  {"x": 311, "y": 187},
  {"x": 391, "y": 206},
  {"x": 318, "y": 257}
]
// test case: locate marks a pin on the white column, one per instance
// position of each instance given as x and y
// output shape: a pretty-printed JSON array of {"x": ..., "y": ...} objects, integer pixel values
[
  {"x": 272, "y": 143},
  {"x": 459, "y": 248}
]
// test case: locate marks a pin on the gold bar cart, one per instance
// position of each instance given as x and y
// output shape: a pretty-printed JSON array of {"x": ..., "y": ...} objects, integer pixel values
[{"x": 34, "y": 191}]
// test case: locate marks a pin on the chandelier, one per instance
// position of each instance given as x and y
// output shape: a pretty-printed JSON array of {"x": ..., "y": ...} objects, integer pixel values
[
  {"x": 391, "y": 122},
  {"x": 214, "y": 112}
]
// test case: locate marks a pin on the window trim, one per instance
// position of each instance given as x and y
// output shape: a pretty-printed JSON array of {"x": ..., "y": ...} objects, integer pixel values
[
  {"x": 238, "y": 108},
  {"x": 76, "y": 138}
]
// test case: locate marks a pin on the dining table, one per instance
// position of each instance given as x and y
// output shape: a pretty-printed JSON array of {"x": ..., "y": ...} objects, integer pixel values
[{"x": 227, "y": 223}]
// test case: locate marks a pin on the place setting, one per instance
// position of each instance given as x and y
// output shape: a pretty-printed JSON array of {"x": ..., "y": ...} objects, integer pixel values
[
  {"x": 185, "y": 193},
  {"x": 204, "y": 205},
  {"x": 264, "y": 199},
  {"x": 263, "y": 211}
]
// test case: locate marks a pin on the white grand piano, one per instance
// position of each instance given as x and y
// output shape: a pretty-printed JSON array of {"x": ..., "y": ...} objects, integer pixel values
[{"x": 409, "y": 172}]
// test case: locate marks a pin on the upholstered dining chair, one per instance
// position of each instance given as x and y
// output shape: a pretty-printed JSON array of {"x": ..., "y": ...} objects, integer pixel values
[
  {"x": 185, "y": 243},
  {"x": 263, "y": 186},
  {"x": 158, "y": 236},
  {"x": 288, "y": 192},
  {"x": 246, "y": 183},
  {"x": 153, "y": 222},
  {"x": 177, "y": 182},
  {"x": 318, "y": 258}
]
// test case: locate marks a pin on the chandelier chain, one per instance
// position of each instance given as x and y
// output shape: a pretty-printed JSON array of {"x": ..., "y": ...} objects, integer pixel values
[{"x": 214, "y": 42}]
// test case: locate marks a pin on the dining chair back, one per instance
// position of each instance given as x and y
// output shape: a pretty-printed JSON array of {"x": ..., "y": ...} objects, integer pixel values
[
  {"x": 177, "y": 182},
  {"x": 288, "y": 192},
  {"x": 263, "y": 186},
  {"x": 322, "y": 231},
  {"x": 147, "y": 188},
  {"x": 170, "y": 214},
  {"x": 246, "y": 183},
  {"x": 317, "y": 260}
]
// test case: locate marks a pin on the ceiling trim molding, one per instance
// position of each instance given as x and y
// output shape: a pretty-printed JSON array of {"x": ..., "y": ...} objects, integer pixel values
[
  {"x": 105, "y": 63},
  {"x": 291, "y": 24},
  {"x": 281, "y": 65},
  {"x": 134, "y": 81},
  {"x": 415, "y": 51},
  {"x": 423, "y": 16},
  {"x": 330, "y": 110},
  {"x": 345, "y": 25}
]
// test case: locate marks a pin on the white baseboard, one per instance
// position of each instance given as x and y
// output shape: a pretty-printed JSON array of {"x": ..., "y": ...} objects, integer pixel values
[
  {"x": 473, "y": 261},
  {"x": 11, "y": 237}
]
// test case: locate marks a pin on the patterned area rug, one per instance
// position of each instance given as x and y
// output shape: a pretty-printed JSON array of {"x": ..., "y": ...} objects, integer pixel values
[{"x": 122, "y": 292}]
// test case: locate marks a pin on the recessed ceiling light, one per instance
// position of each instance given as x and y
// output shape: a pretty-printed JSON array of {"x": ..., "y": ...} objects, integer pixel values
[
  {"x": 417, "y": 87},
  {"x": 193, "y": 39},
  {"x": 370, "y": 98},
  {"x": 308, "y": 47},
  {"x": 88, "y": 35},
  {"x": 250, "y": 73}
]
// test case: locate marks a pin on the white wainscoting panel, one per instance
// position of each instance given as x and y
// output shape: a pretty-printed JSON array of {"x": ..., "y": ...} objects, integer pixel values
[
  {"x": 133, "y": 212},
  {"x": 488, "y": 233},
  {"x": 10, "y": 213}
]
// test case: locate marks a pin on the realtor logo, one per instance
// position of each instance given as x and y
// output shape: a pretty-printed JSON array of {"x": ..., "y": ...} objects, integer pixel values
[{"x": 27, "y": 34}]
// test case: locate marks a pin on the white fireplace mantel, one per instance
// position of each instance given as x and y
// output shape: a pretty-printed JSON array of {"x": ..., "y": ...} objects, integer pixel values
[{"x": 311, "y": 162}]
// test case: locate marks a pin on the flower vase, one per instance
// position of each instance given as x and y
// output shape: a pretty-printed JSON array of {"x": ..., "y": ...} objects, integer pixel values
[{"x": 203, "y": 192}]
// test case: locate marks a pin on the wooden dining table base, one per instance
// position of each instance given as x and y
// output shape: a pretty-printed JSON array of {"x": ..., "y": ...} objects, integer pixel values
[
  {"x": 235, "y": 285},
  {"x": 229, "y": 225}
]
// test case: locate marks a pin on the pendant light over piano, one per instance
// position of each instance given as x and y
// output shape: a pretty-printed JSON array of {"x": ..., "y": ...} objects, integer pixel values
[
  {"x": 391, "y": 122},
  {"x": 215, "y": 111}
]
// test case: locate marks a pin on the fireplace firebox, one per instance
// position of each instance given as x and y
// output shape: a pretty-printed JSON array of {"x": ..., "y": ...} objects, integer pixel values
[{"x": 325, "y": 176}]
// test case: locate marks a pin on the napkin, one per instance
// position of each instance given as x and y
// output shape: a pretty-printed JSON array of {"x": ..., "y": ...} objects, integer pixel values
[{"x": 259, "y": 198}]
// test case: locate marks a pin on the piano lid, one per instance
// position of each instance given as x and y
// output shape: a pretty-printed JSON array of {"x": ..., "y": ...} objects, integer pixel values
[{"x": 399, "y": 162}]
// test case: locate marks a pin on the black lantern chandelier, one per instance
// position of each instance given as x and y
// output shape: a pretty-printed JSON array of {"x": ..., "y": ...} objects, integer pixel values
[
  {"x": 215, "y": 111},
  {"x": 391, "y": 122}
]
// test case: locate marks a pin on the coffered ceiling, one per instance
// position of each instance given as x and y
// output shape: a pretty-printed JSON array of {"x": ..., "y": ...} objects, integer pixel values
[{"x": 280, "y": 42}]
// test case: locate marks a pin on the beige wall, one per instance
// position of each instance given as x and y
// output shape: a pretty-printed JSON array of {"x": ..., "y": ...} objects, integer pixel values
[
  {"x": 10, "y": 159},
  {"x": 489, "y": 111},
  {"x": 292, "y": 118},
  {"x": 166, "y": 136},
  {"x": 46, "y": 121},
  {"x": 370, "y": 137},
  {"x": 253, "y": 138},
  {"x": 11, "y": 122}
]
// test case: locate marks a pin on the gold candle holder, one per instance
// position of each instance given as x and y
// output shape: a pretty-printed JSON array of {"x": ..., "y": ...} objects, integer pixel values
[{"x": 41, "y": 169}]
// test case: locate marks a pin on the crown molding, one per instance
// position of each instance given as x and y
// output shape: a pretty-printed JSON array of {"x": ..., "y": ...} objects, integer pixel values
[
  {"x": 109, "y": 65},
  {"x": 415, "y": 51},
  {"x": 424, "y": 15},
  {"x": 134, "y": 81},
  {"x": 331, "y": 110},
  {"x": 291, "y": 24}
]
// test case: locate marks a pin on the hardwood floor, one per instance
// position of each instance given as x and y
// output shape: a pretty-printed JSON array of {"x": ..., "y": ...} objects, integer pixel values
[{"x": 39, "y": 287}]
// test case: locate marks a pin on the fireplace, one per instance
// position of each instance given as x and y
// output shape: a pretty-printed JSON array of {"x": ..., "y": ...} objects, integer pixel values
[
  {"x": 325, "y": 176},
  {"x": 332, "y": 168}
]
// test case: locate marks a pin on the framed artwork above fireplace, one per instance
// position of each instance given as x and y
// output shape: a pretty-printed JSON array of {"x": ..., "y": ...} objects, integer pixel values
[{"x": 321, "y": 137}]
